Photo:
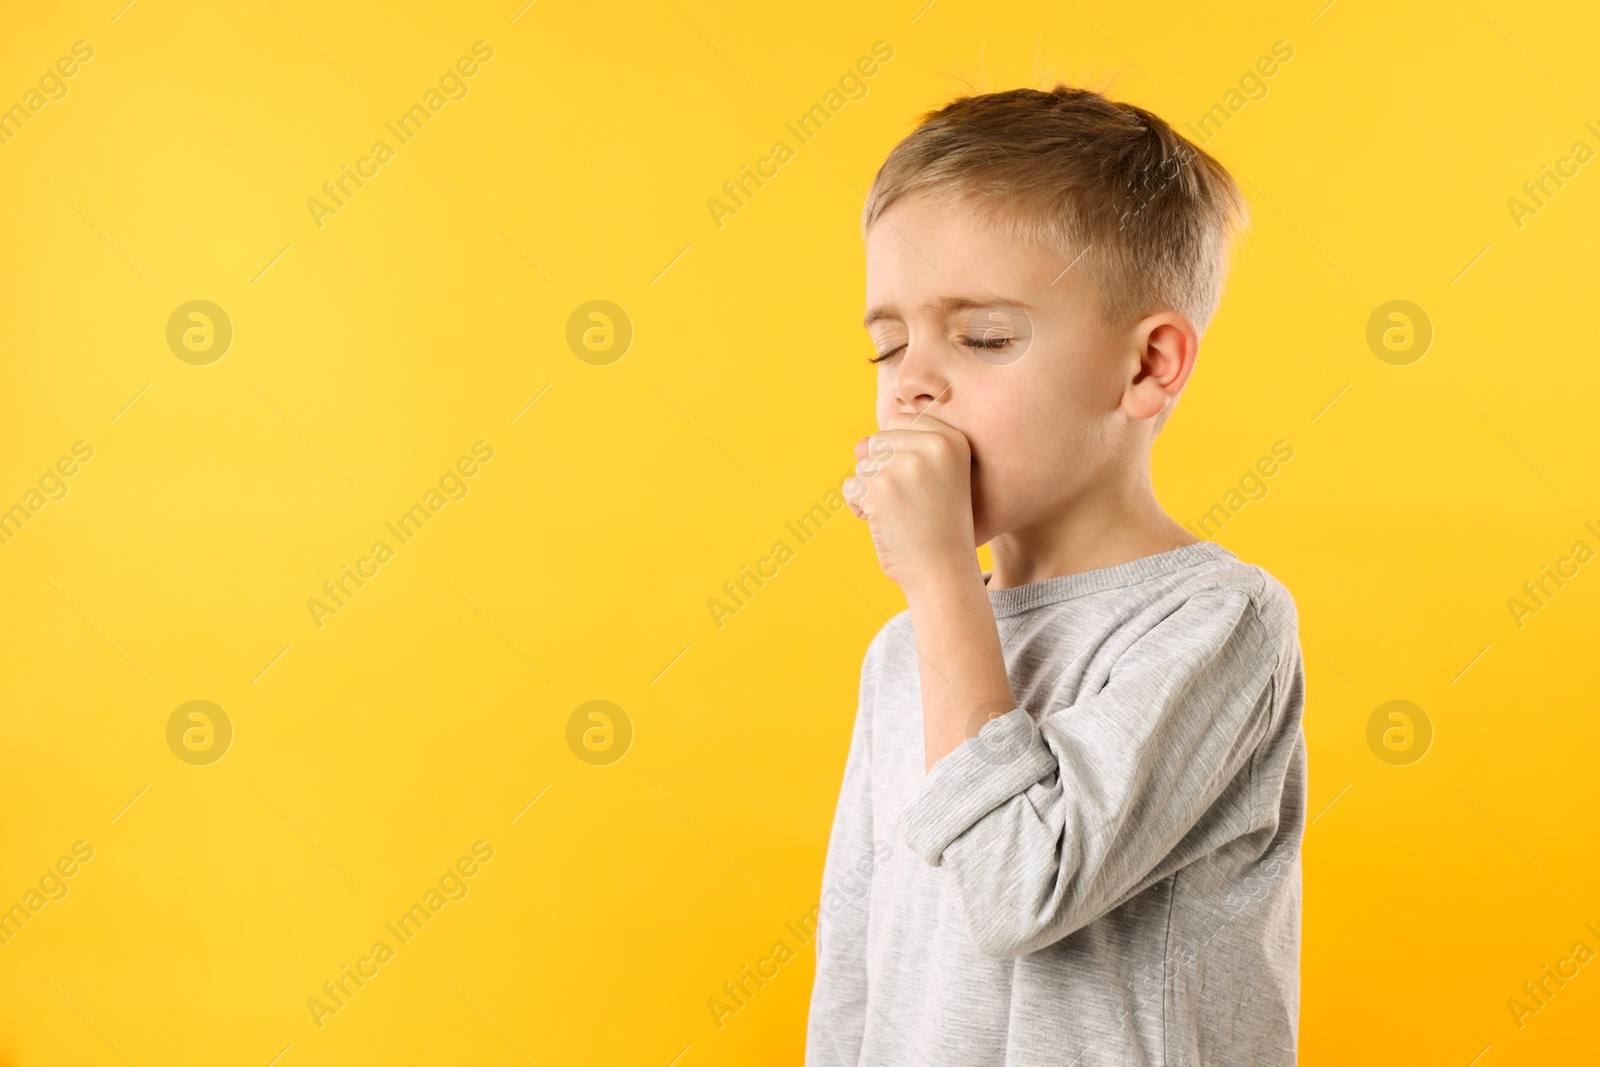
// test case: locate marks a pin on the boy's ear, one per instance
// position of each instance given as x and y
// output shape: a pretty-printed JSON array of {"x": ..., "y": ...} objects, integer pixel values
[{"x": 1166, "y": 345}]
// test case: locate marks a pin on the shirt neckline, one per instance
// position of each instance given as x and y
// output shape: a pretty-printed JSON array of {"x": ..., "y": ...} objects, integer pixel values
[{"x": 1020, "y": 598}]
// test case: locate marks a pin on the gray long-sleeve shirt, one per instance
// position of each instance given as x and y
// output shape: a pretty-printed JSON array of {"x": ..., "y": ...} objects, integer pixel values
[{"x": 1108, "y": 874}]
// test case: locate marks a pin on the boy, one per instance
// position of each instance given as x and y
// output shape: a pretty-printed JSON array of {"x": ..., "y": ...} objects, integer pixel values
[{"x": 1069, "y": 824}]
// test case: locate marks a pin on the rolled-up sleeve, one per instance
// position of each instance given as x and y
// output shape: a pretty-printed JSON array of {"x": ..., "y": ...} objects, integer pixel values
[{"x": 1042, "y": 827}]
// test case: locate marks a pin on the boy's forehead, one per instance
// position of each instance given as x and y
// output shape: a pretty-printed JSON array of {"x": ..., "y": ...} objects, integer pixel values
[
  {"x": 925, "y": 228},
  {"x": 928, "y": 256},
  {"x": 944, "y": 305}
]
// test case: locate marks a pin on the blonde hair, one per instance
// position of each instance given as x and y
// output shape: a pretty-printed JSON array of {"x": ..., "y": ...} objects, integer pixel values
[{"x": 1110, "y": 187}]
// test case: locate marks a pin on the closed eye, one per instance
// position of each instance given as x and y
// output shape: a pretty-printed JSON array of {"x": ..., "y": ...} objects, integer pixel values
[{"x": 988, "y": 344}]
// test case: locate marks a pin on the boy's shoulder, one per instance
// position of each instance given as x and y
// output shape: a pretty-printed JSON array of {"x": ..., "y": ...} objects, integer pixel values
[
  {"x": 1218, "y": 573},
  {"x": 1225, "y": 572}
]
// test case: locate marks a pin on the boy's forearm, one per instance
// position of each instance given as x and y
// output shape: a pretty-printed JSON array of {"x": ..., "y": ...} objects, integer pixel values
[{"x": 959, "y": 661}]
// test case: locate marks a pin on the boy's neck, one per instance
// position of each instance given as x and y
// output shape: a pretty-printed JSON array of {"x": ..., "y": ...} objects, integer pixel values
[{"x": 1104, "y": 526}]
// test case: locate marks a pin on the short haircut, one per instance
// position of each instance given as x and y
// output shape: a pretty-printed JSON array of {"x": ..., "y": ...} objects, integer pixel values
[{"x": 1111, "y": 188}]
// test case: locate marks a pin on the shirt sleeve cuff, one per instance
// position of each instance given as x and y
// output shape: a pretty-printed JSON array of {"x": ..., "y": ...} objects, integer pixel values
[{"x": 1006, "y": 757}]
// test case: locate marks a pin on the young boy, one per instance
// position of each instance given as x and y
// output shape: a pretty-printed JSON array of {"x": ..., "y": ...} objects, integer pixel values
[{"x": 1106, "y": 874}]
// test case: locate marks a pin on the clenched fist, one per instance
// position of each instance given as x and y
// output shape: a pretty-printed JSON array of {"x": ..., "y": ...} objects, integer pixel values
[{"x": 913, "y": 485}]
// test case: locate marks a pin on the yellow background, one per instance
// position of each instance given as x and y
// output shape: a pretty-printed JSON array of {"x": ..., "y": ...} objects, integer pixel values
[{"x": 370, "y": 353}]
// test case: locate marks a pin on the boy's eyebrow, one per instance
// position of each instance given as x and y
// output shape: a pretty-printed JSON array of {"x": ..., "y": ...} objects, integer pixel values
[{"x": 945, "y": 305}]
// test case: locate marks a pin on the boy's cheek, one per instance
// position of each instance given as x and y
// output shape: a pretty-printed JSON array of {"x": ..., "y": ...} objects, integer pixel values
[{"x": 995, "y": 466}]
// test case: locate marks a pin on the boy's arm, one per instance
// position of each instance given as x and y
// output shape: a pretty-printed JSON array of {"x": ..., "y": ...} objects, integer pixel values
[
  {"x": 1041, "y": 828},
  {"x": 839, "y": 996},
  {"x": 914, "y": 486},
  {"x": 959, "y": 662}
]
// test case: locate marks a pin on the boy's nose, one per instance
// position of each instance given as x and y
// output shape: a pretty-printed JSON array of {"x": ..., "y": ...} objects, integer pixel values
[{"x": 917, "y": 385}]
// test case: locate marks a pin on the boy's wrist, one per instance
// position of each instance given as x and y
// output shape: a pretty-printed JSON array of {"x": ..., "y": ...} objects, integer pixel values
[{"x": 943, "y": 579}]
